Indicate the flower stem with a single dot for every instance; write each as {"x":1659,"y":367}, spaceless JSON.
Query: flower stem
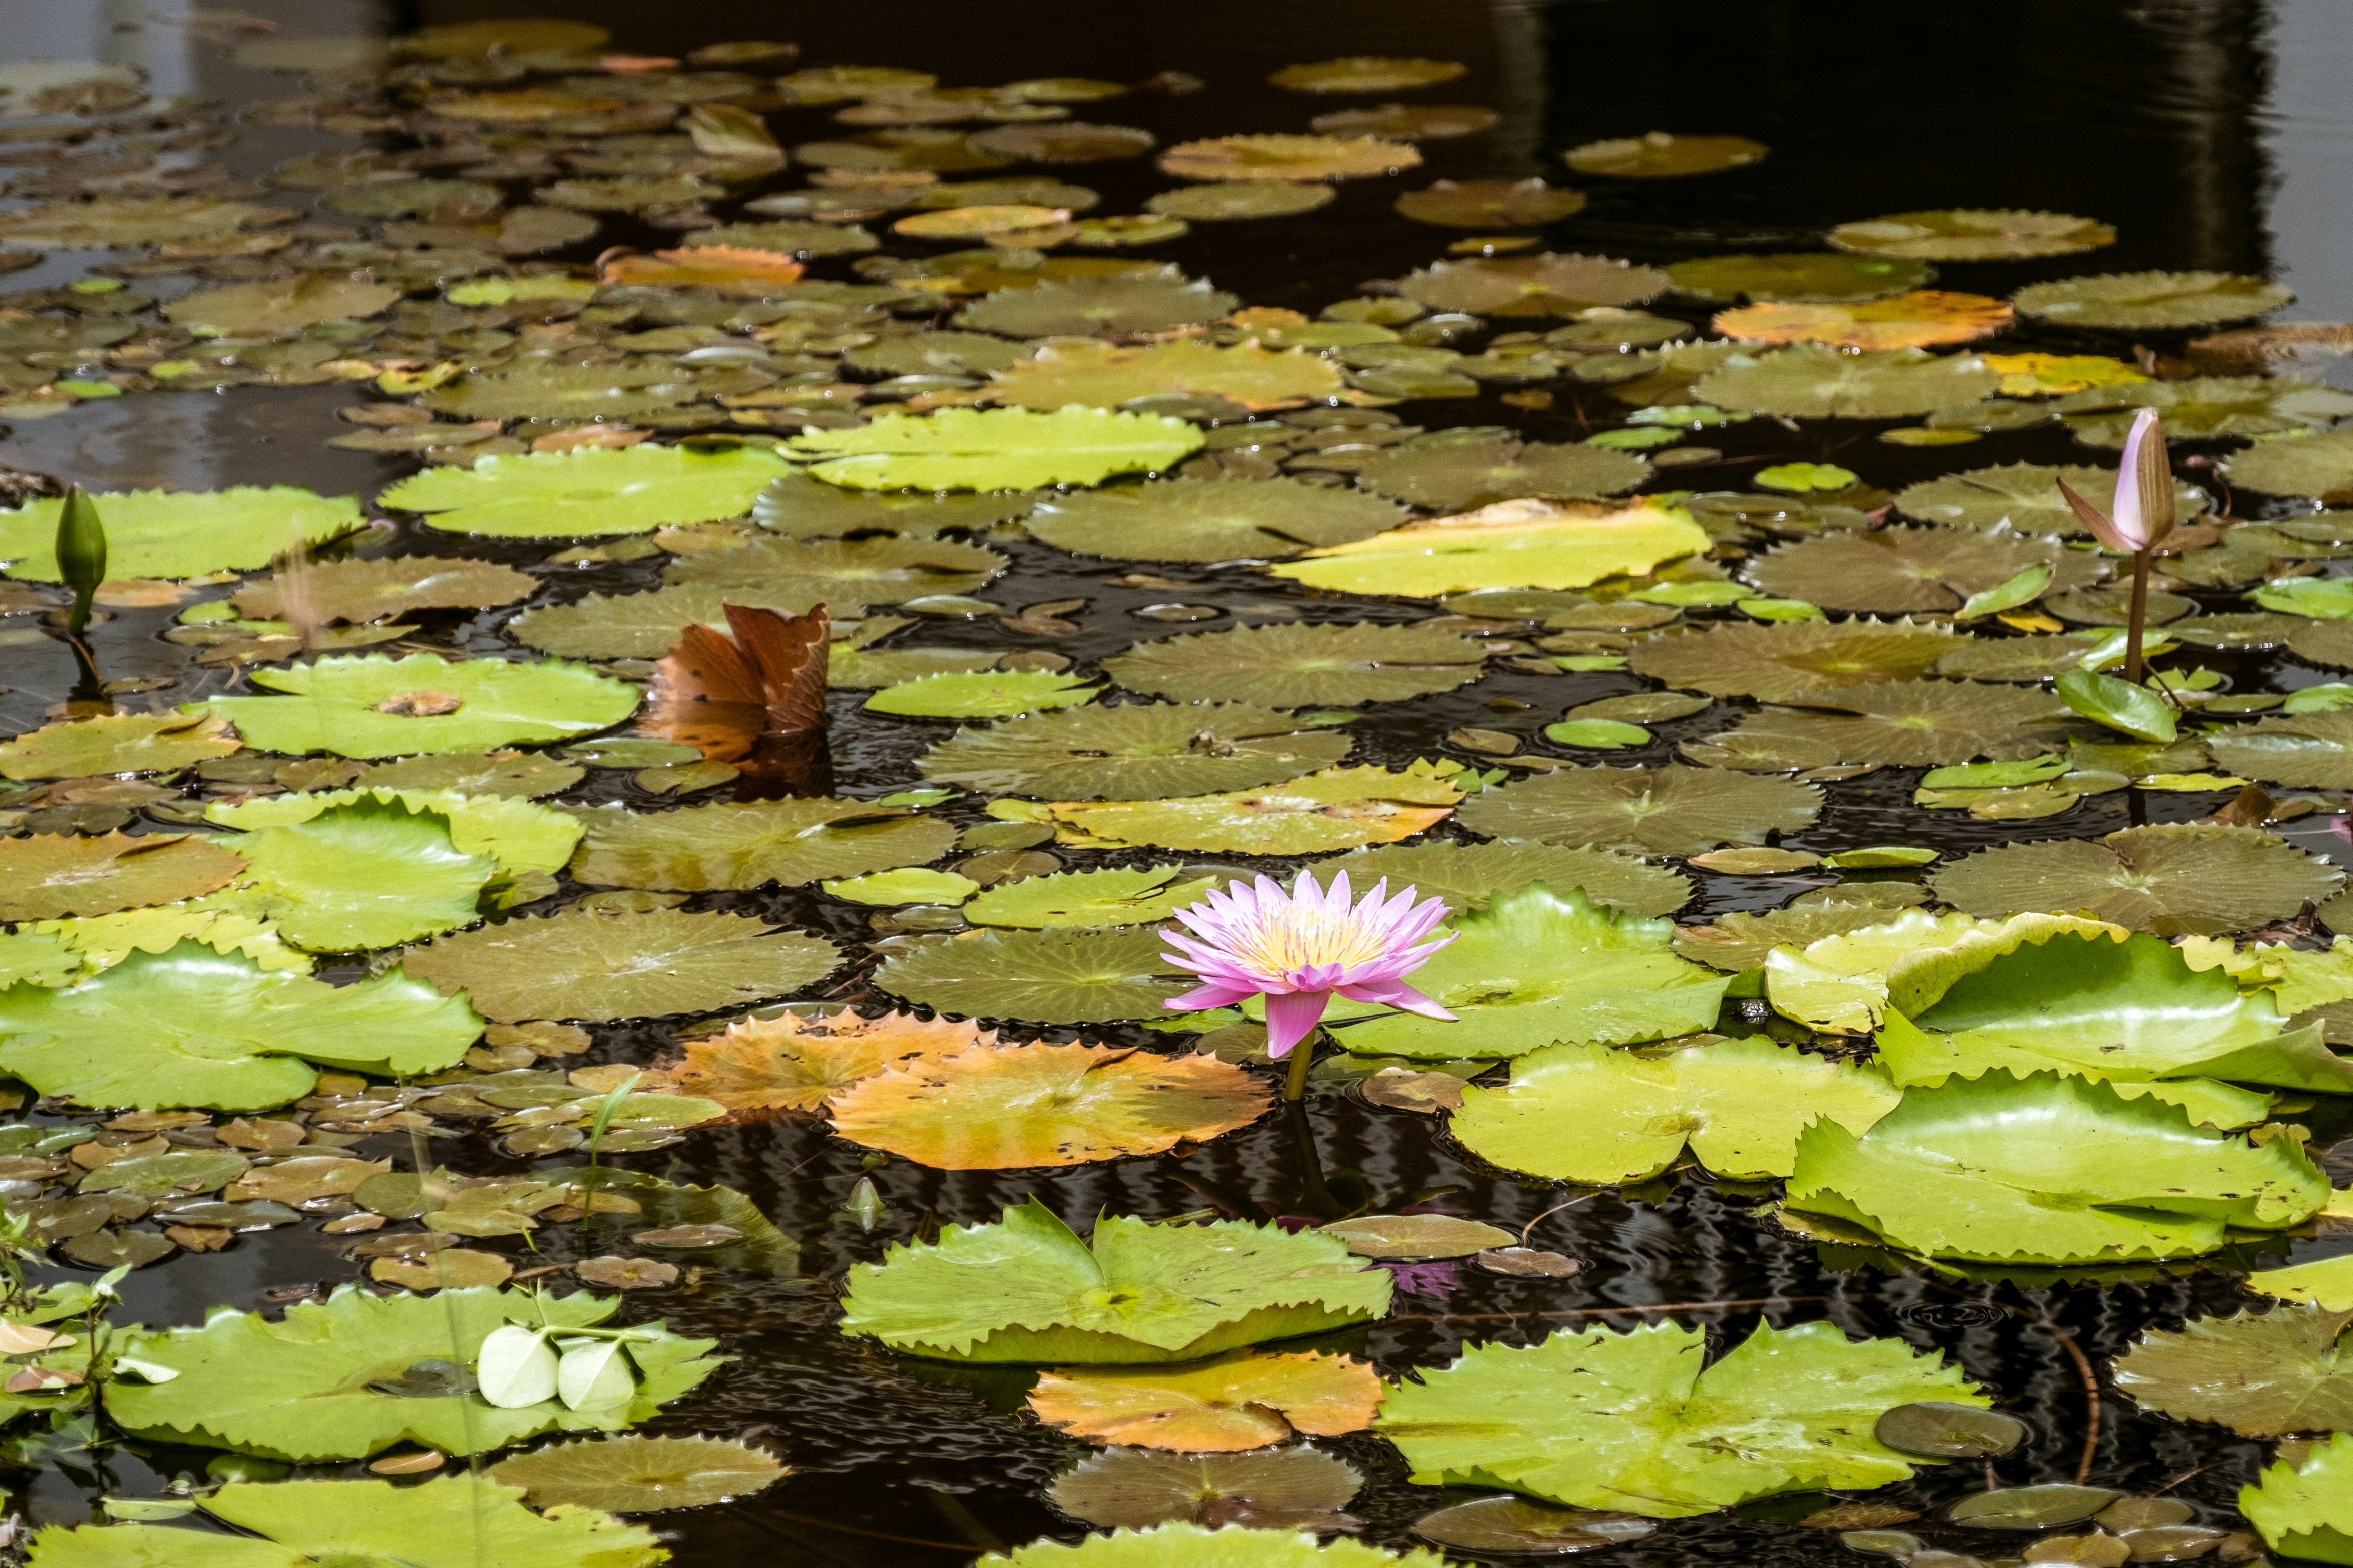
{"x":1302,"y":1056}
{"x":2137,"y":617}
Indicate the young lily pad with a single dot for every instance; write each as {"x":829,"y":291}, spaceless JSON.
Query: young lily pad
{"x":1054,"y":977}
{"x":383,"y":588}
{"x":2319,"y":465}
{"x":2176,"y":879}
{"x":1114,"y":897}
{"x":310,"y":1387}
{"x":1906,"y":723}
{"x":1330,"y":664}
{"x":1781,"y":662}
{"x":1288,"y":158}
{"x":995,"y":449}
{"x":1512,"y":545}
{"x":1587,"y":1113}
{"x":1537,"y":968}
{"x":1290,"y":1489}
{"x":371,"y":706}
{"x":1545,"y":285}
{"x":601,"y":965}
{"x":588,"y":493}
{"x":639,"y":1474}
{"x":1804,"y":277}
{"x":50,"y":876}
{"x":1179,"y":1544}
{"x":1972,"y":234}
{"x":1630,"y":1422}
{"x":1155,"y":300}
{"x":1490,"y":204}
{"x":1911,"y":569}
{"x":1922,"y":318}
{"x":1241,"y":1400}
{"x":1135,"y":752}
{"x":116,"y":743}
{"x":1027,"y":1290}
{"x":516,"y":834}
{"x":2049,"y":1169}
{"x":1816,"y":383}
{"x":1470,"y":874}
{"x":1670,"y":810}
{"x":2301,"y":1509}
{"x":2140,"y":301}
{"x":1102,"y":375}
{"x":2024,"y":497}
{"x":2286,"y":1371}
{"x":752,"y":843}
{"x":762,"y":1067}
{"x":1209,"y":520}
{"x":196,"y":1027}
{"x":374,"y":873}
{"x":1661,"y":155}
{"x":1007,"y":1108}
{"x":1338,"y":808}
{"x":181,"y":533}
{"x":1460,"y":475}
{"x":982,"y":694}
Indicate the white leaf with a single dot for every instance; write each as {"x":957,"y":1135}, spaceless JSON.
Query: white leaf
{"x":516,"y":1367}
{"x":594,"y":1375}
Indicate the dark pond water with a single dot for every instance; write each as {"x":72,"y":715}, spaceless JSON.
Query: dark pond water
{"x":2166,"y":120}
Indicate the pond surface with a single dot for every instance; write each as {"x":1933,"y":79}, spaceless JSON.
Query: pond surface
{"x":2196,"y":134}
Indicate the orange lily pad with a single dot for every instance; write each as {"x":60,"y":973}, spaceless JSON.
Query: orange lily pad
{"x":1922,"y":318}
{"x":762,"y":1069}
{"x":709,"y":264}
{"x":1240,"y":1401}
{"x":1013,"y":1107}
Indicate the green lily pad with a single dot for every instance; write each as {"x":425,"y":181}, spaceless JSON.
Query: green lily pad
{"x":2204,"y":407}
{"x":1670,"y":810}
{"x":1972,"y":234}
{"x":795,"y":238}
{"x":752,"y":843}
{"x":2286,"y":1371}
{"x":1543,"y":285}
{"x":2119,"y":705}
{"x":2023,"y":498}
{"x":1294,"y":1488}
{"x":116,"y":743}
{"x":1232,"y":199}
{"x":540,"y":390}
{"x":2318,"y":465}
{"x":1911,"y":569}
{"x":383,"y":588}
{"x":798,"y":507}
{"x":982,"y":694}
{"x":639,"y":1474}
{"x":1820,"y":384}
{"x":162,"y":1175}
{"x":1338,"y":808}
{"x":1181,"y":1544}
{"x":123,"y":222}
{"x":1512,"y":544}
{"x":308,"y":1388}
{"x":840,"y":572}
{"x":1537,"y":968}
{"x":1117,"y":897}
{"x":2301,"y":1509}
{"x":515,"y":775}
{"x":1135,"y":752}
{"x":279,"y":305}
{"x":1739,"y":941}
{"x":593,"y":493}
{"x":1780,"y":661}
{"x":1102,"y":375}
{"x":995,"y":449}
{"x":597,"y":966}
{"x":181,"y":533}
{"x":643,"y":626}
{"x":1587,"y":1113}
{"x":1324,"y":665}
{"x":450,"y":1522}
{"x":1837,"y":984}
{"x":1027,"y":1290}
{"x":904,"y":887}
{"x":1470,"y":874}
{"x":2049,"y":1169}
{"x":1151,"y":302}
{"x":195,"y":1027}
{"x":2140,"y":301}
{"x":371,"y":706}
{"x":49,"y":876}
{"x":1812,"y":277}
{"x":2303,"y":751}
{"x":374,"y":873}
{"x":1631,"y":1421}
{"x":518,"y":835}
{"x":1906,"y":723}
{"x":1209,"y":520}
{"x":1081,"y":976}
{"x":2173,"y":880}
{"x":1447,"y":473}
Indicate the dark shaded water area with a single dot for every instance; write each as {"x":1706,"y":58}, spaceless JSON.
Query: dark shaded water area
{"x":2150,"y":117}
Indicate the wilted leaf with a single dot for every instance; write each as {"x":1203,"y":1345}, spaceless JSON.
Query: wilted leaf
{"x":598,"y":966}
{"x":740,"y":697}
{"x":760,"y":1068}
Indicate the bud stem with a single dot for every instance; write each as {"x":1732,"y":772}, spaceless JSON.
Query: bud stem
{"x":2138,"y":617}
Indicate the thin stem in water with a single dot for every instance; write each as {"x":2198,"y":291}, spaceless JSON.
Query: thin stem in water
{"x":2138,"y":617}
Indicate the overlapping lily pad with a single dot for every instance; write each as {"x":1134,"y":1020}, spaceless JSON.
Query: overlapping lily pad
{"x":1815,"y":383}
{"x":1330,"y":664}
{"x":2300,"y":1506}
{"x":1135,"y":752}
{"x":518,"y":835}
{"x":1054,"y":977}
{"x":2142,"y":301}
{"x":2304,"y":750}
{"x":181,"y":533}
{"x":598,"y":964}
{"x":760,"y":1068}
{"x":1027,"y":1290}
{"x":1911,"y":569}
{"x":371,"y":706}
{"x":752,"y":844}
{"x":1670,"y":810}
{"x":551,"y":495}
{"x":374,"y":873}
{"x":2170,"y":880}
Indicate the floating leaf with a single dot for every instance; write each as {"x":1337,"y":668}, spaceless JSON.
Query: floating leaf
{"x":752,"y":844}
{"x":1587,"y":1113}
{"x":513,"y":775}
{"x":1039,"y":977}
{"x":1135,"y":752}
{"x":798,"y":507}
{"x":1027,"y":1290}
{"x":2172,"y":881}
{"x":646,"y":626}
{"x":2300,"y":1509}
{"x":278,"y":305}
{"x":1330,"y":664}
{"x":1906,"y":723}
{"x":1290,"y":1489}
{"x":2143,"y":301}
{"x":639,"y":1474}
{"x":2305,"y":751}
{"x":544,"y":390}
{"x":1416,"y":1236}
{"x":1469,"y":875}
{"x":1155,"y":300}
{"x":2269,"y":1375}
{"x":1338,"y":808}
{"x":518,"y":835}
{"x":1816,"y":383}
{"x":1524,"y":543}
{"x":1670,"y":810}
{"x":981,"y":694}
{"x":1911,"y":569}
{"x":1231,"y":199}
{"x":1015,"y":1106}
{"x":1536,"y":968}
{"x":1924,"y":319}
{"x":2204,"y":406}
{"x":1839,"y":983}
{"x":760,"y":1068}
{"x":1546,"y":285}
{"x":1631,"y":1421}
{"x":596,"y":965}
{"x":1101,"y":376}
{"x":1178,"y":1544}
{"x":1287,"y":158}
{"x":123,"y":222}
{"x":180,"y":533}
{"x":116,"y":743}
{"x":2319,"y":465}
{"x":1778,"y":662}
{"x":385,"y":587}
{"x":305,"y":1388}
{"x":1241,"y":1400}
{"x":2024,"y":497}
{"x":1972,"y":234}
{"x":371,"y":706}
{"x":1490,"y":204}
{"x":592,"y":492}
{"x":848,"y":572}
{"x":374,"y":873}
{"x":1109,"y":897}
{"x":1001,"y":448}
{"x":2048,"y":1169}
{"x":1803,"y":276}
{"x":49,"y":876}
{"x":195,"y":1027}
{"x":1460,"y":475}
{"x":1209,"y":520}
{"x":1659,"y":155}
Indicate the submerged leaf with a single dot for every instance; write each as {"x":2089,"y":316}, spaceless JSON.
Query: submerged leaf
{"x":981,"y":694}
{"x":1972,"y":235}
{"x":1180,"y":1544}
{"x":384,"y":587}
{"x":1661,"y":155}
{"x":1153,"y":300}
{"x":1906,"y":723}
{"x":1802,"y":277}
{"x":2319,"y":465}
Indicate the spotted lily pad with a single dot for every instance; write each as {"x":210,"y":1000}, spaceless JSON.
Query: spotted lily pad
{"x":1910,"y":569}
{"x":181,"y":533}
{"x":546,"y":495}
{"x":1330,"y":664}
{"x":1779,"y":661}
{"x":372,"y":706}
{"x":1972,"y":234}
{"x":599,"y":965}
{"x":1135,"y":752}
{"x":2175,"y":879}
{"x":1546,"y":285}
{"x":1457,"y":475}
{"x":50,"y":876}
{"x":1338,"y":808}
{"x":1670,"y":810}
{"x":997,"y":449}
{"x":2141,"y":301}
{"x":1816,"y":383}
{"x":1027,"y":1290}
{"x":752,"y":843}
{"x":1063,"y":977}
{"x":1511,"y":544}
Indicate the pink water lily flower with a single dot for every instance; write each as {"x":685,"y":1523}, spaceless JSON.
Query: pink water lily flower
{"x":1301,"y":948}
